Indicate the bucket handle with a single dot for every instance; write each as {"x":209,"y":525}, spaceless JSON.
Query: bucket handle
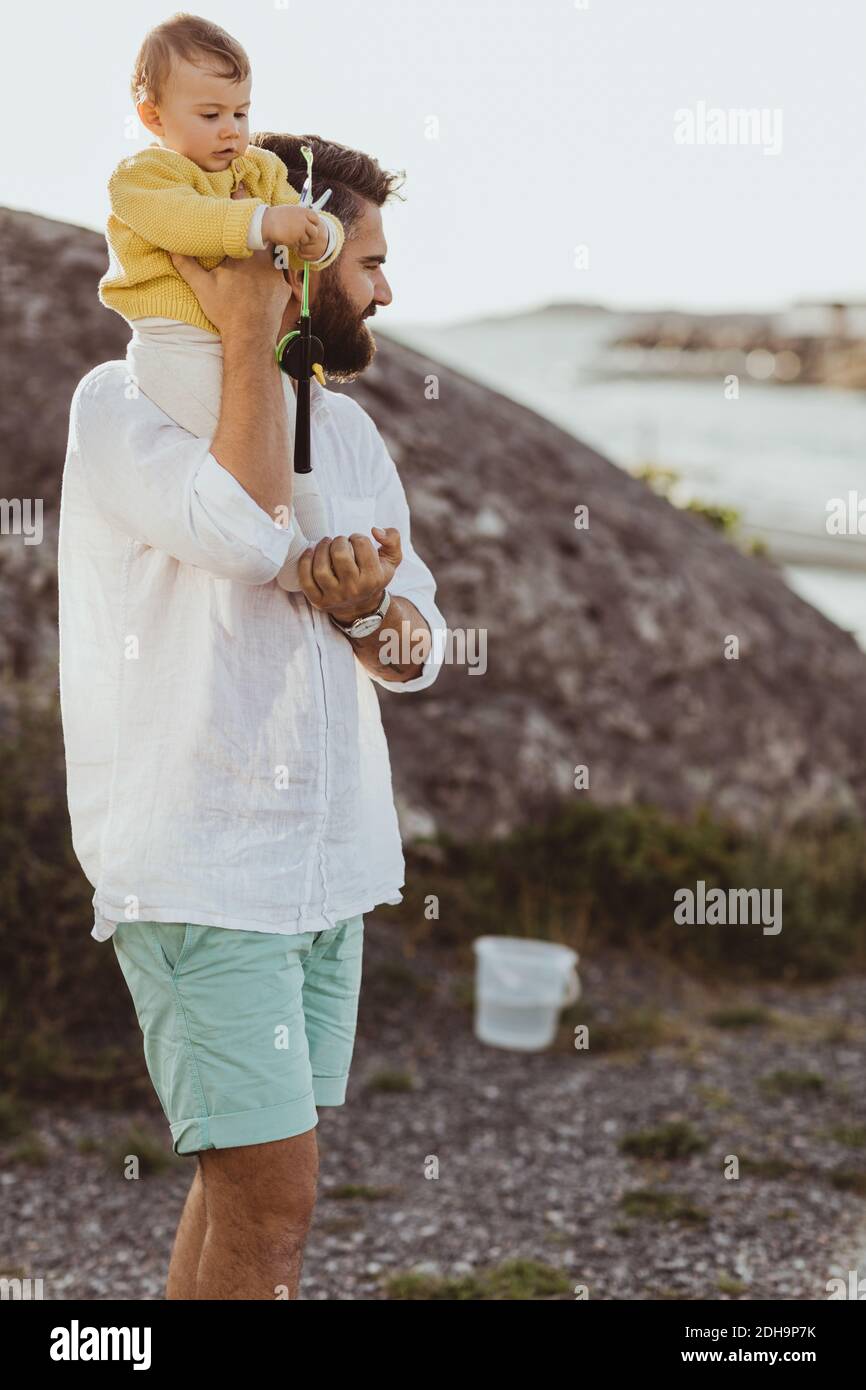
{"x":572,"y":988}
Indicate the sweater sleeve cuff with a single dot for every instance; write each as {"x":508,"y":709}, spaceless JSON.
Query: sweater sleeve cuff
{"x":236,"y":227}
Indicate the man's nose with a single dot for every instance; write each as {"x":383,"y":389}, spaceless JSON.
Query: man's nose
{"x":230,"y":130}
{"x":383,"y":293}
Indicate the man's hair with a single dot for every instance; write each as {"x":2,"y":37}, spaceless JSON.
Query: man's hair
{"x":352,"y":176}
{"x":185,"y":36}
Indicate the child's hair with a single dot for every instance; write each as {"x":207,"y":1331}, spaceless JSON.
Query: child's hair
{"x":185,"y":36}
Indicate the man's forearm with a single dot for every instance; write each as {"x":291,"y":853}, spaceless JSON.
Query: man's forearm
{"x":403,"y":632}
{"x":252,"y":439}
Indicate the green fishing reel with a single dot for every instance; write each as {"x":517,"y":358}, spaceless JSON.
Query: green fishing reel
{"x":300,"y":356}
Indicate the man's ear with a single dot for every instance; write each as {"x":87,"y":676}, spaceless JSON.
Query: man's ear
{"x":148,"y":114}
{"x":295,"y":279}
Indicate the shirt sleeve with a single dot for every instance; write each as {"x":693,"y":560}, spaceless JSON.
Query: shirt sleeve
{"x":152,"y":196}
{"x":413,"y":579}
{"x":328,"y":253}
{"x":255,"y":240}
{"x":162,"y":486}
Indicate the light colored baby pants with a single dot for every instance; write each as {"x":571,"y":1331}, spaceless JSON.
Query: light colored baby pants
{"x":179,"y":368}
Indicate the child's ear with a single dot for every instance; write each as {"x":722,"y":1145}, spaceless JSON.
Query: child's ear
{"x":148,"y":114}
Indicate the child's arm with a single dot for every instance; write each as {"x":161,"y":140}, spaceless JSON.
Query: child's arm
{"x":327,"y":217}
{"x":153,"y":196}
{"x":303,"y":230}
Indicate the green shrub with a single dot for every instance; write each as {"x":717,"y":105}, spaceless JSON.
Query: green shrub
{"x":583,"y":873}
{"x":390,"y":1081}
{"x":576,"y":872}
{"x":66,"y":1019}
{"x":793,"y":1083}
{"x":850,"y":1180}
{"x":676,"y":1139}
{"x":740,"y":1016}
{"x":523,"y":1280}
{"x":648,"y":1204}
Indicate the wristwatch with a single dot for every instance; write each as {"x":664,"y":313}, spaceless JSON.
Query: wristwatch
{"x":368,"y":622}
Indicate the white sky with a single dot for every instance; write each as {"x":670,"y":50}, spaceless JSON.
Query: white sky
{"x":555,"y":129}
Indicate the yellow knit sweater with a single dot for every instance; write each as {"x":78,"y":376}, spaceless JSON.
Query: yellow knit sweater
{"x":161,"y":202}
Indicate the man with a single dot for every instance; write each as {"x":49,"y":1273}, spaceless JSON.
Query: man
{"x":228,"y":776}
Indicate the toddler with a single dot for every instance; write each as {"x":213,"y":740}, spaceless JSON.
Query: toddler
{"x":201,"y":190}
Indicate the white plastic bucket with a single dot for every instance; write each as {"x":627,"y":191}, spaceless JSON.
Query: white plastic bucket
{"x":520,"y":988}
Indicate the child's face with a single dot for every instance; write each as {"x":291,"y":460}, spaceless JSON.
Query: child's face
{"x":201,"y":115}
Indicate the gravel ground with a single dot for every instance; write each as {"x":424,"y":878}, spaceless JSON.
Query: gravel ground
{"x":528,"y":1149}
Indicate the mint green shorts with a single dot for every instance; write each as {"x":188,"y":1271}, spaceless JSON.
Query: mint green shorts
{"x":245,"y":1033}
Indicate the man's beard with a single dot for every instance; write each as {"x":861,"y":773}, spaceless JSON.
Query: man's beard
{"x":349,"y":345}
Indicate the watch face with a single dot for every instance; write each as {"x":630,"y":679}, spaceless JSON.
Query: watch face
{"x":362,"y":627}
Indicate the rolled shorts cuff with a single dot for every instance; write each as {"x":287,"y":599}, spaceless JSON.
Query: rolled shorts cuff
{"x":258,"y":1126}
{"x":330,"y":1090}
{"x":245,"y":1126}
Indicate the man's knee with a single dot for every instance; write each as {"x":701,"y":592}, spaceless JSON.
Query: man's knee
{"x":272,"y":1184}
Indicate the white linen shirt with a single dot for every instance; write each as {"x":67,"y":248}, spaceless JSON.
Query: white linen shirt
{"x":226,"y":761}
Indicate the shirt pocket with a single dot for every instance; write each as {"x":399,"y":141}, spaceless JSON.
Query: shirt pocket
{"x":352,"y":513}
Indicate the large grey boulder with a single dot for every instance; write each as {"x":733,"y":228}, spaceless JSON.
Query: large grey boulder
{"x":605,"y":646}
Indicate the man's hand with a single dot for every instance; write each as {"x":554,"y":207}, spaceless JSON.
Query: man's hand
{"x":239,"y":296}
{"x":346,"y":576}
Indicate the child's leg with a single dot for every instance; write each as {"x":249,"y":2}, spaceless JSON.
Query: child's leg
{"x":179,"y":368}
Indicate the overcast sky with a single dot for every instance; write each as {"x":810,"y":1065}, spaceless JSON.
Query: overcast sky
{"x":555,"y":125}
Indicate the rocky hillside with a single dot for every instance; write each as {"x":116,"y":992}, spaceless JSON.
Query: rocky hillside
{"x":605,"y":646}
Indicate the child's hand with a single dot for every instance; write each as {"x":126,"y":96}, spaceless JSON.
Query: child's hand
{"x":297,"y":227}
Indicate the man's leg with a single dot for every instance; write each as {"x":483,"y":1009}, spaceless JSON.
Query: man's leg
{"x":183,"y":1269}
{"x":260,"y":1200}
{"x":228,"y":1076}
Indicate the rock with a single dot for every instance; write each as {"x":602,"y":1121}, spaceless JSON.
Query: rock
{"x":490,"y":523}
{"x":604,"y":646}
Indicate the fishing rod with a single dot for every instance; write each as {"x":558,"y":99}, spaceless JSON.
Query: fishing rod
{"x":299,"y":353}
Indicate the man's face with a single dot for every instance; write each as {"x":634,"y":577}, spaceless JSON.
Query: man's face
{"x":345,"y":294}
